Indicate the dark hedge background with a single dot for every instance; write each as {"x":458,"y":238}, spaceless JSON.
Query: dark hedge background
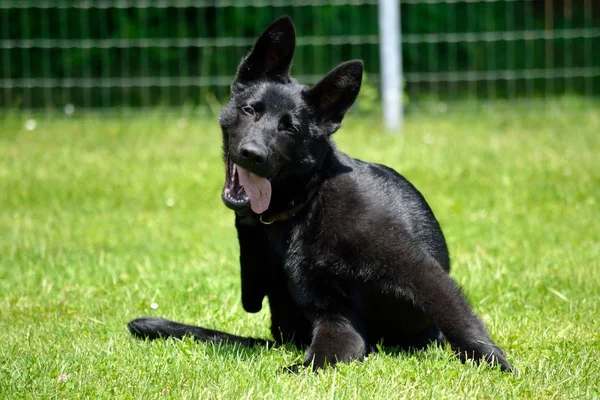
{"x":44,"y":63}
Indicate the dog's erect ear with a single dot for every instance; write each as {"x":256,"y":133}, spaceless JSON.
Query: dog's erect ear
{"x":333,"y":95}
{"x":271,"y":56}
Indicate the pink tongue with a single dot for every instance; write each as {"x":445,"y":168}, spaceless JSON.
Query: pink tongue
{"x":257,"y":188}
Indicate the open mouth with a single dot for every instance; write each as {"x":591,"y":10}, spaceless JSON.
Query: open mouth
{"x":243,"y":188}
{"x":234,"y":196}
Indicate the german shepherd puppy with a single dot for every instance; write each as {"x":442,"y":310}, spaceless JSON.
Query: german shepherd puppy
{"x":348,"y":253}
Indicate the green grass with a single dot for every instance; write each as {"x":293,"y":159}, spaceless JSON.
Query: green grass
{"x":101,"y":217}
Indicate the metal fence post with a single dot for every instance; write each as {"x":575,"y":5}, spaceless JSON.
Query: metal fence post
{"x":391,"y":63}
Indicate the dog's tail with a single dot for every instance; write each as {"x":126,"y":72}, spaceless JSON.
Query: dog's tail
{"x":154,"y":328}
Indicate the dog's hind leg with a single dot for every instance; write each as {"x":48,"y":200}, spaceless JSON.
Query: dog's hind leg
{"x":431,"y":288}
{"x":154,"y":328}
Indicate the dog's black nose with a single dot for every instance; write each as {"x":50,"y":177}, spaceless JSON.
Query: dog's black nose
{"x":253,"y":153}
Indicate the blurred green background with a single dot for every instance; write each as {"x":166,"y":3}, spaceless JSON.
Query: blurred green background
{"x":112,"y":53}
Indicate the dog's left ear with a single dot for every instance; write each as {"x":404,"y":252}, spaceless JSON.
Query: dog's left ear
{"x":333,"y":95}
{"x":271,"y":56}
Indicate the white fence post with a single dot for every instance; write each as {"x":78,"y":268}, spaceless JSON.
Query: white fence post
{"x":391,"y":63}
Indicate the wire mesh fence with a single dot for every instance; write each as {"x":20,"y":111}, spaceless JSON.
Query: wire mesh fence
{"x":123,"y":54}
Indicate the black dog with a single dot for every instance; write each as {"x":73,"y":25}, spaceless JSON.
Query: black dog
{"x":347,"y":252}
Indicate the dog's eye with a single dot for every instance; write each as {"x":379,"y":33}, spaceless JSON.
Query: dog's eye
{"x":248,"y":110}
{"x":292,"y":129}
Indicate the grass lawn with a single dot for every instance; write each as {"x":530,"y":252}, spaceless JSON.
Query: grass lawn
{"x":105,"y":219}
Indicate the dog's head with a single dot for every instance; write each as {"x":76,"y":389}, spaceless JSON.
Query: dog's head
{"x":274,"y":127}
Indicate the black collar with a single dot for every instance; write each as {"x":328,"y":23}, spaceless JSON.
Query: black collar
{"x":294,"y":208}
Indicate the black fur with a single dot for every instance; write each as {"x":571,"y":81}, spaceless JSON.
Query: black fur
{"x":364,"y":261}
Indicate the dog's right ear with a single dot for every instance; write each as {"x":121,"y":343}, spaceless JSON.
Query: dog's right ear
{"x":271,"y":56}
